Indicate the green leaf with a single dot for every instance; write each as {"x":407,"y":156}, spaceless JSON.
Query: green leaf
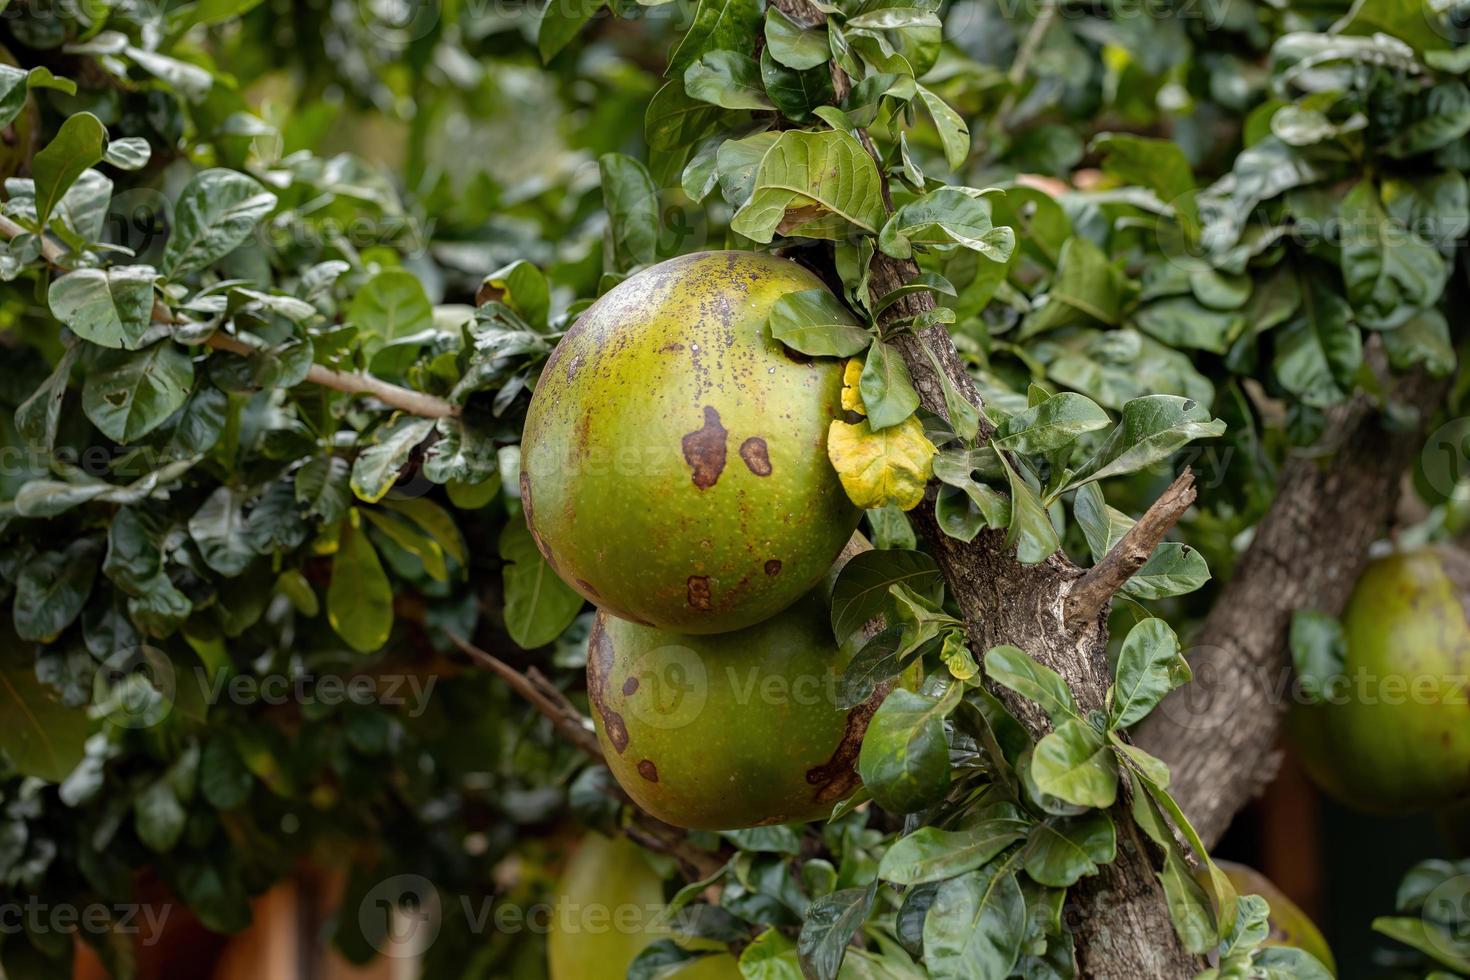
{"x":963,"y":510}
{"x":1087,"y":287}
{"x":1319,"y":351}
{"x":975,"y":926}
{"x":1073,"y":763}
{"x":1389,"y":270}
{"x":1102,"y":525}
{"x":390,"y":305}
{"x":1013,"y":668}
{"x":904,"y":761}
{"x":797,"y":95}
{"x":1189,"y":907}
{"x":128,"y":153}
{"x":943,"y":220}
{"x":323,"y":488}
{"x":815,"y":322}
{"x":112,"y":308}
{"x":1181,"y":322}
{"x":863,"y":588}
{"x":1318,"y":653}
{"x":218,"y":528}
{"x":1060,"y":851}
{"x":538,"y":605}
{"x":1429,"y":938}
{"x":1158,"y":164}
{"x":932,"y":854}
{"x":41,"y":737}
{"x":38,"y":416}
{"x":1153,"y":428}
{"x":523,"y":288}
{"x":771,"y":956}
{"x":829,"y":925}
{"x":1173,"y":569}
{"x":815,"y":185}
{"x":128,"y":394}
{"x":728,"y":25}
{"x":377,"y":467}
{"x":216,"y":212}
{"x":887,"y":390}
{"x":1149,"y":667}
{"x":51,"y":590}
{"x":562,"y":20}
{"x":223,"y":779}
{"x":1031,"y":531}
{"x":1051,"y":425}
{"x":1424,"y":339}
{"x":631,"y":199}
{"x":793,"y":45}
{"x":954,"y":134}
{"x":359,"y":596}
{"x":78,"y":144}
{"x":729,"y":79}
{"x":1433,"y":118}
{"x":436,"y":522}
{"x":159,"y":817}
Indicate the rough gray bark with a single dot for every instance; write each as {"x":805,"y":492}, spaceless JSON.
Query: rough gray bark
{"x":1218,"y":734}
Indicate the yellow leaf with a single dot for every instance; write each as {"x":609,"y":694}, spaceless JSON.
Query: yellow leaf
{"x":879,"y":468}
{"x":852,"y":401}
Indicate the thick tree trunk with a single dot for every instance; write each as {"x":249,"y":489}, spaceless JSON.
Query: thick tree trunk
{"x":1219,"y":733}
{"x":1119,"y":916}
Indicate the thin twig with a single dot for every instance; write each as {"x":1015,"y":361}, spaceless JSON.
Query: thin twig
{"x":1094,"y":589}
{"x":643,"y":828}
{"x":352,"y":382}
{"x":1030,"y":44}
{"x":541,"y":693}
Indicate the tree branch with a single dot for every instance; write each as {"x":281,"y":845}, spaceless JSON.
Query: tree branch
{"x":543,"y":695}
{"x":352,"y":382}
{"x":1095,"y":589}
{"x":1219,"y":733}
{"x":576,"y":728}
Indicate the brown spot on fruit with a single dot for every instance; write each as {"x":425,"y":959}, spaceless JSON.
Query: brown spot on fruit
{"x":672,"y":348}
{"x":836,"y":778}
{"x":698,"y":590}
{"x":773,"y":567}
{"x":753,"y":451}
{"x":588,"y":588}
{"x":704,"y":450}
{"x":630,"y":687}
{"x":599,"y":664}
{"x":648,"y":770}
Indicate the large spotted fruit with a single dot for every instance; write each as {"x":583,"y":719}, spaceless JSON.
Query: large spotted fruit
{"x":732,"y":730}
{"x":674,"y":461}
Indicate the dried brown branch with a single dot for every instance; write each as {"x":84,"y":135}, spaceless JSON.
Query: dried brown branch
{"x":352,"y":382}
{"x":1096,"y":588}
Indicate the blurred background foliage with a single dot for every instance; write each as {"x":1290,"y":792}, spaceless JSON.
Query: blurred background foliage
{"x":239,"y":523}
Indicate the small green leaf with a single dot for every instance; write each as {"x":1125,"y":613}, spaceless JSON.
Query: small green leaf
{"x":904,"y":761}
{"x":1013,"y":668}
{"x":729,"y":79}
{"x":954,"y":135}
{"x":1073,"y":763}
{"x":932,"y":854}
{"x":359,"y":597}
{"x":112,"y":308}
{"x":816,"y":185}
{"x":538,"y":605}
{"x":1060,"y":851}
{"x":1153,"y":428}
{"x":1149,"y":667}
{"x":377,"y":467}
{"x":562,"y":20}
{"x":78,"y":144}
{"x":1051,"y":425}
{"x":214,"y":215}
{"x":128,"y":394}
{"x":390,"y":305}
{"x":793,"y":45}
{"x":975,"y":926}
{"x":815,"y":322}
